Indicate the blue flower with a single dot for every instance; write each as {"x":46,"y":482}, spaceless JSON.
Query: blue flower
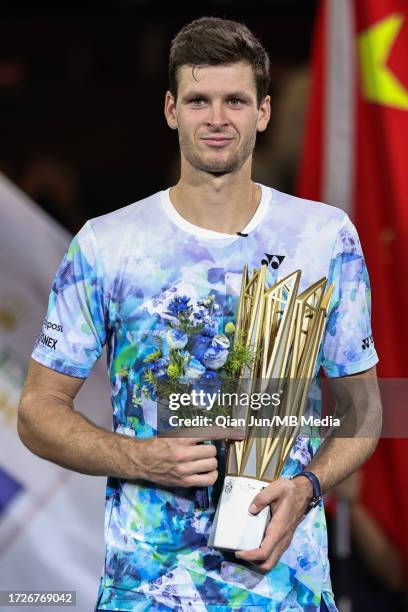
{"x":211,"y":329}
{"x":209,"y":383}
{"x":209,"y":375}
{"x":201,"y":344}
{"x":176,"y":339}
{"x":159,"y":367}
{"x":214,"y":358}
{"x":194,"y":369}
{"x":196,"y":320}
{"x":179,"y":304}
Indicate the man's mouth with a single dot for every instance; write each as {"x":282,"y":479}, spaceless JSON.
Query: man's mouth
{"x":217,"y":141}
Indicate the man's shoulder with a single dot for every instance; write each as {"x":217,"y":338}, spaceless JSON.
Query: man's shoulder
{"x":121,"y":219}
{"x":297,"y":207}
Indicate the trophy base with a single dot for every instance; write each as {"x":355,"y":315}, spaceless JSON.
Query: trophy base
{"x":234,"y":527}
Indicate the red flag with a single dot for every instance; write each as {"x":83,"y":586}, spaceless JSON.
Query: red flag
{"x":355,"y":157}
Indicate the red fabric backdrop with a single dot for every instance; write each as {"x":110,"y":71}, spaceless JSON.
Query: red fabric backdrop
{"x":379,"y":210}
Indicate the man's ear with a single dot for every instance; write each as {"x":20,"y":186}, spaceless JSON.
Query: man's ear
{"x":264,"y":114}
{"x":170,"y":110}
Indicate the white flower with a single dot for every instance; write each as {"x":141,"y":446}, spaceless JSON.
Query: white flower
{"x":221,"y":341}
{"x":176,"y":339}
{"x":194,"y":369}
{"x":214,"y":358}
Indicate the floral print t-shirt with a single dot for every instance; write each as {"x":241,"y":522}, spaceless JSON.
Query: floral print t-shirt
{"x":123,"y":273}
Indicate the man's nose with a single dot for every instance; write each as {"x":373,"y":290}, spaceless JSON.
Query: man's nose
{"x":217,"y":116}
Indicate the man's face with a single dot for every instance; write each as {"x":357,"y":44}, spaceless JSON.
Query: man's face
{"x":216,"y":116}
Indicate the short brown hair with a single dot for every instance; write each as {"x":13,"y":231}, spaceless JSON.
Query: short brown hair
{"x":212,"y":41}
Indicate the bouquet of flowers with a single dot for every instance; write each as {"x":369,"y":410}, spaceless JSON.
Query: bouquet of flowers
{"x":193,"y":351}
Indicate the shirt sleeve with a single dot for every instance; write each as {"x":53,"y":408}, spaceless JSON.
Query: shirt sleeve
{"x":348,"y":344}
{"x":74,"y":330}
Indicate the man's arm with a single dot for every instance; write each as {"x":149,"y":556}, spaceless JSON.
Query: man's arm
{"x":358,"y":401}
{"x":358,"y":404}
{"x":50,"y":427}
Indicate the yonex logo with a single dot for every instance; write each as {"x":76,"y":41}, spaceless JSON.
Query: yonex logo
{"x":273,"y":260}
{"x":48,"y":341}
{"x":366,"y":342}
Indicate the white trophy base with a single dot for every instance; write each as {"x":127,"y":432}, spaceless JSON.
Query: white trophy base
{"x":234,"y":527}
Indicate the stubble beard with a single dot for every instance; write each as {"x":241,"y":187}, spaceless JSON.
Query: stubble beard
{"x":232,"y":163}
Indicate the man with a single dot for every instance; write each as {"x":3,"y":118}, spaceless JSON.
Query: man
{"x":127,"y":271}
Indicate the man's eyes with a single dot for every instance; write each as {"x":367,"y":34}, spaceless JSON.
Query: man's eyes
{"x":203,"y":101}
{"x":197,"y":101}
{"x":236,"y":101}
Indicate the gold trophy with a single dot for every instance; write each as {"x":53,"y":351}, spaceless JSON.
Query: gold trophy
{"x":283,"y":330}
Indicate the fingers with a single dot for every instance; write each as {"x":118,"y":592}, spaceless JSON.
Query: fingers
{"x":197,"y":467}
{"x":270,"y":562}
{"x":182,"y":454}
{"x":276,"y":541}
{"x":268,"y":495}
{"x":185,"y":461}
{"x":273,"y":535}
{"x":200,"y":480}
{"x":280,"y":529}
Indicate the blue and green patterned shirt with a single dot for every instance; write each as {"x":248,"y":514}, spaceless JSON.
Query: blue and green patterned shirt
{"x":114,"y":287}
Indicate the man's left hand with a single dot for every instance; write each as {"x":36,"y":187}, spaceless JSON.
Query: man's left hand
{"x":288,"y":500}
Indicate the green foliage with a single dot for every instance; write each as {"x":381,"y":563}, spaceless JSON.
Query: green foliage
{"x":174,"y":370}
{"x":150,"y":377}
{"x":152,"y":356}
{"x":239,"y":358}
{"x":229,"y":328}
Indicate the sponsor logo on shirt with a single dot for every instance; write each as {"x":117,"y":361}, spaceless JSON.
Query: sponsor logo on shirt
{"x":272,"y":260}
{"x":53,"y":326}
{"x":48,"y":341}
{"x":366,"y":342}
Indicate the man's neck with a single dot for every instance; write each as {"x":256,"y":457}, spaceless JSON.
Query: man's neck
{"x":223,"y":204}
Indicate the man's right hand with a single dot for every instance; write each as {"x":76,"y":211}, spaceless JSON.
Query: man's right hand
{"x":182,"y":462}
{"x":50,"y":427}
